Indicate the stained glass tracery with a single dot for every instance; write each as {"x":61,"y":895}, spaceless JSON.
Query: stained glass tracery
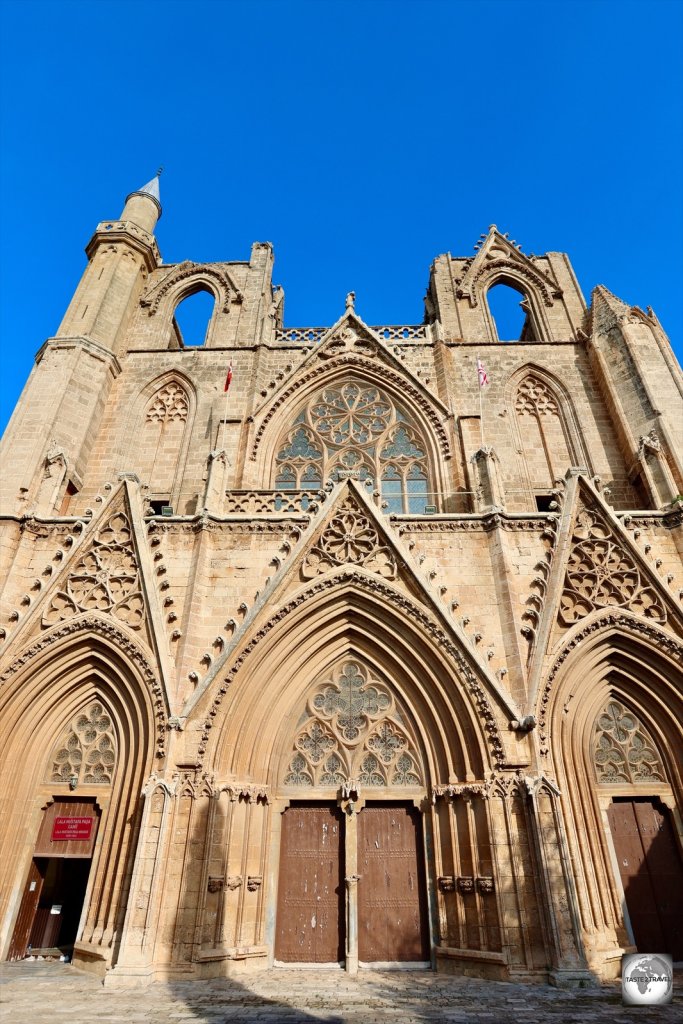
{"x":355,"y":430}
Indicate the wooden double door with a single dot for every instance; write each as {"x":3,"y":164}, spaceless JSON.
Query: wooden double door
{"x":386,"y":895}
{"x":651,"y":873}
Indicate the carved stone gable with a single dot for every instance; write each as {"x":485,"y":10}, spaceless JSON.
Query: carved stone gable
{"x":106,"y":578}
{"x":601,"y":574}
{"x":349,"y":339}
{"x":350,"y":537}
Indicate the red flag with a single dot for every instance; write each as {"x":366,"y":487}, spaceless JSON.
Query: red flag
{"x":228,"y":379}
{"x":482,"y":374}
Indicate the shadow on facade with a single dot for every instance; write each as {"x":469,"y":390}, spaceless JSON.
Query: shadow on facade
{"x":644,"y":839}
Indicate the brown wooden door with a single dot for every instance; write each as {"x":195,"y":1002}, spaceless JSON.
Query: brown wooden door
{"x":27,"y":913}
{"x":392,"y":907}
{"x":310,"y":911}
{"x":651,"y":874}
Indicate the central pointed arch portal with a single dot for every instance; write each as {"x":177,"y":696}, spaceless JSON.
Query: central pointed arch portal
{"x":355,"y":717}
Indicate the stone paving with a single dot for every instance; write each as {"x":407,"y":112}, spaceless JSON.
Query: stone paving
{"x":44,"y":992}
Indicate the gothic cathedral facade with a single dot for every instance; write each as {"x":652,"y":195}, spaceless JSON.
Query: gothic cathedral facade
{"x":375,"y":658}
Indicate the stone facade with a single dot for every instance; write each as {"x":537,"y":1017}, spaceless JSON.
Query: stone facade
{"x":361,"y":580}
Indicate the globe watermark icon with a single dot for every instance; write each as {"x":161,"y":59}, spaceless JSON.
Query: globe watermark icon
{"x":647,"y":979}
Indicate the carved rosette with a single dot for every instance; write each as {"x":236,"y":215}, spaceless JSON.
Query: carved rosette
{"x":353,"y":729}
{"x":623,"y":751}
{"x":105,"y":579}
{"x":601,"y":574}
{"x":349,"y":538}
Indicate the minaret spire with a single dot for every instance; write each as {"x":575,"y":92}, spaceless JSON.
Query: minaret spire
{"x":138,"y":208}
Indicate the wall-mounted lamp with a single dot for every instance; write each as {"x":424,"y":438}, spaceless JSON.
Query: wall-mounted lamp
{"x":73,"y":781}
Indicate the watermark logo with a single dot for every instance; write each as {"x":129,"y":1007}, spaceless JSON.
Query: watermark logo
{"x":647,"y":979}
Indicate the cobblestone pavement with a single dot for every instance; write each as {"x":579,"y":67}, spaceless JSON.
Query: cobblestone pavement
{"x":53,"y":993}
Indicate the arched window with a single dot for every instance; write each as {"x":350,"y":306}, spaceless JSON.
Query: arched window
{"x":543,"y":434}
{"x":86,"y":751}
{"x":192,"y":318}
{"x":160,"y":440}
{"x":623,"y":750}
{"x":510,"y":313}
{"x":354,"y":430}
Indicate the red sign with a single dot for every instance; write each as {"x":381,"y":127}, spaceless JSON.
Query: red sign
{"x":71,"y":828}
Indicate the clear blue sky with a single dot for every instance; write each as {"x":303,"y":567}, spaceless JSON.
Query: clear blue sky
{"x":362,"y":139}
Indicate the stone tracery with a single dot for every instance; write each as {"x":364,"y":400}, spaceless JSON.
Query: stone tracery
{"x":86,"y":751}
{"x":350,"y":537}
{"x":355,"y":430}
{"x":352,"y":729}
{"x":623,"y":751}
{"x":601,"y":574}
{"x":105,"y":578}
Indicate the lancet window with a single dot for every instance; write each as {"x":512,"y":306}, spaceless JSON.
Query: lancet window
{"x":623,"y":750}
{"x":352,"y":729}
{"x":543,"y":433}
{"x":355,"y":431}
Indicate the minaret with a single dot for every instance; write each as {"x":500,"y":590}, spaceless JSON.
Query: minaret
{"x":63,"y":401}
{"x":143,"y":207}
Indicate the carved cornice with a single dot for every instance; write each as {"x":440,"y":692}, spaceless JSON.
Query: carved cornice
{"x":476,"y":523}
{"x":124,"y":644}
{"x":357,"y":362}
{"x":411,"y":613}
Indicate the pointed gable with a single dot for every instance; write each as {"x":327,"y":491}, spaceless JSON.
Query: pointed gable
{"x":499,"y":258}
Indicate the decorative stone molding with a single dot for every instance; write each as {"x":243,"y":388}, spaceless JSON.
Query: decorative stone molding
{"x":212,"y":273}
{"x":667,"y":645}
{"x":465,"y":884}
{"x":125,"y":645}
{"x":349,"y":537}
{"x":359,"y":365}
{"x":254,"y":882}
{"x":409,"y":611}
{"x":446,"y":883}
{"x":534,"y":398}
{"x":86,"y":752}
{"x":601,"y":573}
{"x":105,"y":579}
{"x":485,"y":885}
{"x":233,"y":882}
{"x":355,"y":730}
{"x":169,"y":404}
{"x":623,"y":750}
{"x":215,"y":884}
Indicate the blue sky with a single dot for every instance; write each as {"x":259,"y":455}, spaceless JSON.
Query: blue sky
{"x":362,"y":139}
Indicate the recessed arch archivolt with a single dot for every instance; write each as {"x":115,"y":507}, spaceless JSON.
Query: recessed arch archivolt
{"x":301,"y":388}
{"x":351,"y":614}
{"x":89,"y":636}
{"x":57,"y":679}
{"x":614,"y":656}
{"x":601,"y":641}
{"x":187,"y":278}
